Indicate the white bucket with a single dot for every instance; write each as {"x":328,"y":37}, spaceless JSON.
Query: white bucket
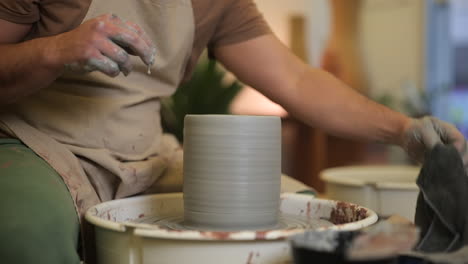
{"x":389,"y":189}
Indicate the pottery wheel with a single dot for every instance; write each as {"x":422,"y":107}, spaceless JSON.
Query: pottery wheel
{"x":161,"y":216}
{"x":151,"y":227}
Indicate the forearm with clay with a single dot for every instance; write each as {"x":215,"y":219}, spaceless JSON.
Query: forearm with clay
{"x":342,"y":111}
{"x":102,"y":44}
{"x":324,"y":101}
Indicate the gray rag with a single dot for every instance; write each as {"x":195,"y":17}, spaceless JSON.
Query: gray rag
{"x":442,"y":211}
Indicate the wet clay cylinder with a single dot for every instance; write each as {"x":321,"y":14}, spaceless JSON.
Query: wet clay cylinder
{"x":232,"y":172}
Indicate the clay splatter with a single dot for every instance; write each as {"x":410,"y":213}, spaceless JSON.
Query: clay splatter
{"x":250,"y":258}
{"x":309,"y":209}
{"x":79,"y":203}
{"x":261,"y":235}
{"x":317,"y":210}
{"x":216,"y":234}
{"x":141,"y":215}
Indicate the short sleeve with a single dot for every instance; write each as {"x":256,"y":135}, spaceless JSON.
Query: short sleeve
{"x":58,"y":16}
{"x":20,"y":11}
{"x":48,"y":17}
{"x":240,"y":21}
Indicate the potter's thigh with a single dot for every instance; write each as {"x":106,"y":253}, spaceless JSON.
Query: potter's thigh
{"x":38,"y":222}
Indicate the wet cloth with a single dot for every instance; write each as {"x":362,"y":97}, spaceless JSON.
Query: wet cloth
{"x":38,"y":220}
{"x":442,"y":210}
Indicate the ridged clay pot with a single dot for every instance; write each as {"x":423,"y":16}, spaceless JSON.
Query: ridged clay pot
{"x":232,"y":168}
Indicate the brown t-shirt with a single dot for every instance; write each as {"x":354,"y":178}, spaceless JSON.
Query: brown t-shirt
{"x":217,"y":22}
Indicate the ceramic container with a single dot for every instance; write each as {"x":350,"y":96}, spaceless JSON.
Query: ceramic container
{"x":388,"y":189}
{"x":232,"y":171}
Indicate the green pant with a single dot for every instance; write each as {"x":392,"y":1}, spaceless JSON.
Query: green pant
{"x":38,"y":222}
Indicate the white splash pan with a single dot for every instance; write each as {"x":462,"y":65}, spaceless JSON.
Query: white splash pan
{"x":121,"y":241}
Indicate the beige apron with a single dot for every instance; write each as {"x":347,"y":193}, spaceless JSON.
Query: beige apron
{"x":102,"y":134}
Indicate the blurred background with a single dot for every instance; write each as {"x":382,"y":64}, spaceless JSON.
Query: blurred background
{"x":411,"y":55}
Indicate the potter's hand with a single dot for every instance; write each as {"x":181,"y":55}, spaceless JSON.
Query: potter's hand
{"x":103,"y":44}
{"x":423,"y":134}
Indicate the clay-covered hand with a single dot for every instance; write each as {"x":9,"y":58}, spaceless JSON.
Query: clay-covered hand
{"x":423,"y":134}
{"x":103,"y":44}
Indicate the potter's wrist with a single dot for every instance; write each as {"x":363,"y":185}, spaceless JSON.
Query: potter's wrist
{"x":404,"y":132}
{"x":50,"y":52}
{"x":400,"y":132}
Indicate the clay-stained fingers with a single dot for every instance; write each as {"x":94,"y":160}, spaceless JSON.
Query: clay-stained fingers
{"x":137,"y":29}
{"x":429,"y":135}
{"x":131,"y":26}
{"x":116,"y":54}
{"x":103,"y":64}
{"x":419,"y":138}
{"x":145,"y":37}
{"x":103,"y":43}
{"x":424,"y":133}
{"x":128,"y":38}
{"x":451,"y":135}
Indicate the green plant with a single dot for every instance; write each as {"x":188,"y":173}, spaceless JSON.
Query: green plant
{"x":207,"y":92}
